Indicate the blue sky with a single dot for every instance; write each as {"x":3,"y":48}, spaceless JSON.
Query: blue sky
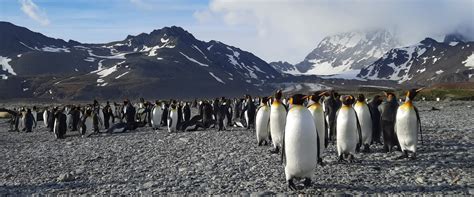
{"x":271,"y":29}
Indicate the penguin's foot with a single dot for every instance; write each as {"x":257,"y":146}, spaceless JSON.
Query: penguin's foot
{"x":291,"y":185}
{"x":307,"y":182}
{"x":403,"y":156}
{"x":413,"y":156}
{"x":350,"y":158}
{"x":366,"y":148}
{"x":340,"y":159}
{"x":320,"y":162}
{"x":274,"y":151}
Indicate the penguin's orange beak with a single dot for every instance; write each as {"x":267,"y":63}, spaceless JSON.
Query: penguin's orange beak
{"x":322,"y":94}
{"x":419,"y":90}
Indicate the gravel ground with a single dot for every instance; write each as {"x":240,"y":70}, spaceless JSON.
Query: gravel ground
{"x":229,"y":162}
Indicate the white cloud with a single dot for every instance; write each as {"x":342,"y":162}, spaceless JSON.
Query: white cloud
{"x":290,"y":29}
{"x":34,"y":12}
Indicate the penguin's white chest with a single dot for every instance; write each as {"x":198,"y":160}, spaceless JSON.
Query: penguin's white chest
{"x":277,"y":123}
{"x":262,"y":123}
{"x":89,"y":124}
{"x":406,"y":127}
{"x":173,"y":119}
{"x":365,"y":121}
{"x":156,"y":120}
{"x":45,"y":118}
{"x":346,"y":133}
{"x":318,"y":118}
{"x":300,"y":143}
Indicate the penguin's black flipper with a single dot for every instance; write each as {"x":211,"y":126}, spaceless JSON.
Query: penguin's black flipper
{"x":419,"y":124}
{"x":326,"y":136}
{"x":359,"y":132}
{"x":283,"y":156}
{"x":317,"y":144}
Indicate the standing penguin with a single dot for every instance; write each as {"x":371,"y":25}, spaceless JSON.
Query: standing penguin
{"x":278,"y":113}
{"x":300,"y":145}
{"x":173,"y":117}
{"x":60,"y":125}
{"x":249,"y":111}
{"x":262,"y":122}
{"x":187,"y":112}
{"x":164,"y":116}
{"x":34,"y":112}
{"x":157,"y":112}
{"x":45,"y":117}
{"x":86,"y":122}
{"x":319,"y":121}
{"x":408,"y":124}
{"x":30,"y":121}
{"x":389,"y":110}
{"x":365,"y":121}
{"x":348,"y":132}
{"x":374,"y":111}
{"x":331,"y":104}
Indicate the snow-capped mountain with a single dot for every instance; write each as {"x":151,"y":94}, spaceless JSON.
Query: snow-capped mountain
{"x":284,"y":67}
{"x":345,"y":52}
{"x":169,"y":62}
{"x":425,"y":63}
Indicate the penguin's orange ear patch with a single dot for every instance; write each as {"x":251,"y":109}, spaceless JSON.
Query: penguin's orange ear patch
{"x":290,"y":101}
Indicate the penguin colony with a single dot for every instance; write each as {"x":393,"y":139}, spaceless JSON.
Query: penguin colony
{"x":299,"y":129}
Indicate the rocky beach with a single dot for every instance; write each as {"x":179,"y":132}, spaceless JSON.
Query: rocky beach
{"x":145,"y":161}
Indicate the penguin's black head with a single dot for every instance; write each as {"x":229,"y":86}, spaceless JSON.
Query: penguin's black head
{"x":317,"y":96}
{"x":390,"y":96}
{"x":361,"y":98}
{"x":297,"y":99}
{"x":278,"y":95}
{"x":347,"y":100}
{"x":264,"y":100}
{"x":412,"y":93}
{"x":377,"y":100}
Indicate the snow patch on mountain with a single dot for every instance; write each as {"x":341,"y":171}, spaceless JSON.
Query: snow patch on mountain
{"x":4,"y":62}
{"x":193,"y":60}
{"x":113,"y":56}
{"x":469,"y":62}
{"x":217,"y":78}
{"x":54,"y":49}
{"x":121,"y":75}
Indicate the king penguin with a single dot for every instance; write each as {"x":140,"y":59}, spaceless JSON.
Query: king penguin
{"x":156,"y":115}
{"x":87,"y":122}
{"x":408,"y":124}
{"x":173,"y":117}
{"x":300,"y":144}
{"x":316,"y":110}
{"x":365,"y":120}
{"x":388,"y":117}
{"x":45,"y":117}
{"x":262,"y":122}
{"x":278,"y":113}
{"x":348,"y":133}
